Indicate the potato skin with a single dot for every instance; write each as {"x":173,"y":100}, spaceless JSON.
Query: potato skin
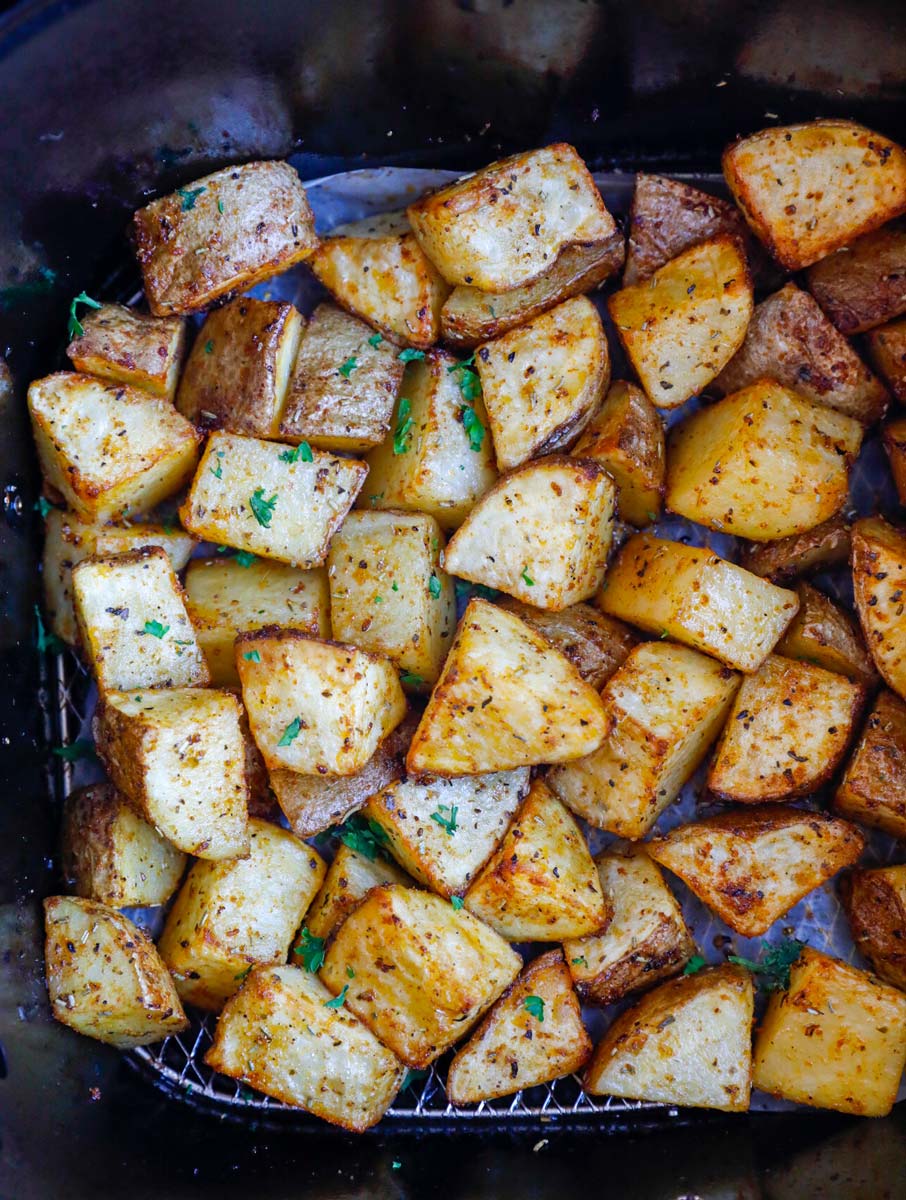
{"x":894,"y":434}
{"x":875,"y":905}
{"x":126,"y":346}
{"x":861,"y":286}
{"x":823,"y":634}
{"x":873,"y":788}
{"x":595,"y":644}
{"x":879,"y":582}
{"x":887,"y":353}
{"x":785,"y":560}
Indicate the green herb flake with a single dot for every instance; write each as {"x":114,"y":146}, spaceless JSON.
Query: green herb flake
{"x":457,"y":902}
{"x":75,"y":325}
{"x":301,"y":453}
{"x":413,"y":1075}
{"x":694,"y":965}
{"x":350,"y":365}
{"x":466,"y":378}
{"x":378,"y":599}
{"x":665,"y":633}
{"x":262,"y":509}
{"x":526,"y":578}
{"x":434,"y":586}
{"x":534,"y":1006}
{"x":243,"y":974}
{"x":394,"y":587}
{"x":465,"y":591}
{"x":252,"y":656}
{"x":77,"y":750}
{"x":45,"y":641}
{"x":350,"y":974}
{"x":217,"y":469}
{"x":408,"y":356}
{"x":412,"y":680}
{"x":364,"y":836}
{"x":156,"y":629}
{"x":774,"y":968}
{"x":580,"y":961}
{"x":471,"y":422}
{"x":375,"y":340}
{"x":338,"y":1001}
{"x":220,"y":207}
{"x":244,"y":558}
{"x":395,"y":1165}
{"x":291,"y":732}
{"x":209,"y":346}
{"x":448,"y":822}
{"x":311,"y":950}
{"x":43,"y":506}
{"x":189,"y":196}
{"x":375,"y":497}
{"x":652,"y":516}
{"x":403,"y":434}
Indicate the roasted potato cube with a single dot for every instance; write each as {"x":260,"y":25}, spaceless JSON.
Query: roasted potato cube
{"x":875,"y":904}
{"x":178,"y":756}
{"x":133,"y":623}
{"x":895,"y":445}
{"x":791,"y":341}
{"x":688,"y":1042}
{"x":887,"y":352}
{"x":229,"y":915}
{"x":596,"y":645}
{"x":809,"y":189}
{"x":229,"y":596}
{"x":126,"y":346}
{"x":543,"y":382}
{"x":350,"y":877}
{"x":318,"y":708}
{"x":109,"y":449}
{"x":507,"y":224}
{"x":261,"y":800}
{"x":689,"y":593}
{"x":533,"y":1034}
{"x":105,"y":978}
{"x":819,"y":549}
{"x":879,"y":582}
{"x":682,"y":326}
{"x":835,"y":1039}
{"x":873,"y":788}
{"x":823,"y":634}
{"x":344,"y":384}
{"x":541,"y":534}
{"x":664,"y":708}
{"x":764,"y":463}
{"x":861,"y":286}
{"x":506,"y":699}
{"x":418,"y":972}
{"x":647,"y":938}
{"x":221,"y":234}
{"x":283,"y":1036}
{"x":264,"y":498}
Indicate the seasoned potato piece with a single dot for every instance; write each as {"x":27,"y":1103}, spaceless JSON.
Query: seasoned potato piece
{"x":534,"y":1033}
{"x":818,"y":549}
{"x":262,"y":497}
{"x":544,"y":381}
{"x":861,"y":286}
{"x":109,"y":449}
{"x":823,"y":634}
{"x":688,"y":1042}
{"x":787,"y":732}
{"x":873,"y":788}
{"x":879,"y":582}
{"x":887,"y":351}
{"x":133,"y":623}
{"x":506,"y":699}
{"x":283,"y":1036}
{"x":764,"y":463}
{"x":875,"y":904}
{"x":105,"y":978}
{"x":542,"y":533}
{"x":126,"y":346}
{"x":791,"y":341}
{"x":750,"y":867}
{"x":416,"y":971}
{"x":221,"y":234}
{"x":664,"y":708}
{"x":319,"y":708}
{"x":178,"y":756}
{"x":895,"y":445}
{"x":596,"y":645}
{"x":627,"y":438}
{"x":229,"y":915}
{"x":689,"y":593}
{"x":507,"y":224}
{"x":540,"y":884}
{"x":647,"y":938}
{"x":682,"y":326}
{"x":835,"y":1039}
{"x":350,"y":877}
{"x":238,"y":372}
{"x":809,"y":189}
{"x":442,"y":831}
{"x":344,"y":384}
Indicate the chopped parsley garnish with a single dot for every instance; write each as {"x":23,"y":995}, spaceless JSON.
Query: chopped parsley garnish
{"x":413,"y":1075}
{"x":457,"y":902}
{"x":45,"y":641}
{"x":447,"y":823}
{"x":404,"y":423}
{"x":465,"y":590}
{"x":694,"y":965}
{"x":774,"y":968}
{"x":466,"y":378}
{"x":395,"y":1165}
{"x":263,"y":509}
{"x":217,"y":469}
{"x":209,"y":346}
{"x":75,"y":325}
{"x":43,"y":506}
{"x":291,"y":732}
{"x":220,"y":207}
{"x":364,"y":836}
{"x":350,"y":365}
{"x":534,"y":1006}
{"x":526,"y":578}
{"x":350,"y":974}
{"x":411,"y":679}
{"x":243,"y":974}
{"x":580,"y":961}
{"x":302,"y":453}
{"x":652,"y":516}
{"x":252,"y":656}
{"x":665,"y":633}
{"x":375,"y":340}
{"x":394,"y":587}
{"x":189,"y":196}
{"x":434,"y":586}
{"x":407,"y":356}
{"x":311,"y":950}
{"x":244,"y":558}
{"x":471,"y":422}
{"x":338,"y":1001}
{"x":156,"y":629}
{"x":79,"y":749}
{"x":378,"y":599}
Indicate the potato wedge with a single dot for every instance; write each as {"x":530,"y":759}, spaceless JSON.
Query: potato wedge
{"x":873,"y":788}
{"x":879,"y":582}
{"x":126,"y":346}
{"x":105,"y":978}
{"x":862,"y":285}
{"x":688,"y":1042}
{"x":221,"y":234}
{"x":506,"y":699}
{"x":835,"y":1039}
{"x":682,"y":326}
{"x":823,"y":634}
{"x":819,"y":549}
{"x":424,"y":973}
{"x":894,"y":434}
{"x":541,"y":534}
{"x":886,"y":347}
{"x":596,"y":645}
{"x":664,"y":708}
{"x":875,"y":905}
{"x":282,"y":1036}
{"x":349,"y":879}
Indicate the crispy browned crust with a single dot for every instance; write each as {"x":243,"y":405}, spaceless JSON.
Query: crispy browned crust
{"x":658,"y":957}
{"x":876,"y":910}
{"x":824,"y":633}
{"x":887,"y":352}
{"x":126,"y":346}
{"x":895,"y":444}
{"x":789,"y":558}
{"x":873,"y":789}
{"x":864,"y":284}
{"x":596,"y":645}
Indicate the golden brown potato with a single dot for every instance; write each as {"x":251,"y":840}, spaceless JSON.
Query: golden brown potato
{"x":688,"y":1042}
{"x":875,"y":904}
{"x":349,"y":879}
{"x":809,"y":189}
{"x":126,"y":346}
{"x":105,"y":978}
{"x":823,"y":634}
{"x":879,"y":583}
{"x":109,"y":449}
{"x":221,"y":234}
{"x":895,"y":445}
{"x":861,"y":286}
{"x":596,"y":645}
{"x":818,"y":549}
{"x":887,"y":352}
{"x":682,"y":326}
{"x":835,"y":1039}
{"x":873,"y":788}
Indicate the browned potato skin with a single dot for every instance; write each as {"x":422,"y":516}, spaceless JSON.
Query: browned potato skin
{"x":887,"y":351}
{"x":873,"y":788}
{"x":784,"y":560}
{"x":875,"y":904}
{"x":823,"y":633}
{"x":895,"y":445}
{"x":596,"y":645}
{"x":862,"y":285}
{"x":126,"y":346}
{"x":879,"y":584}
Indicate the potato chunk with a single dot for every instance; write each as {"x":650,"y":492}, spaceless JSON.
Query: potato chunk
{"x":133,"y":622}
{"x":105,"y":978}
{"x":596,"y":645}
{"x":126,"y":346}
{"x":505,"y":225}
{"x":861,"y":286}
{"x":887,"y":352}
{"x":221,"y":234}
{"x":819,"y":549}
{"x":895,"y":444}
{"x":282,"y":1036}
{"x":534,"y":1033}
{"x":688,"y":1042}
{"x":109,"y":449}
{"x":647,"y":938}
{"x":544,"y":381}
{"x":270,"y":500}
{"x":764,"y":463}
{"x":879,"y":583}
{"x":542,"y":534}
{"x":875,"y":904}
{"x":823,"y":634}
{"x":689,"y":593}
{"x":835,"y":1039}
{"x":664,"y":708}
{"x":230,"y":915}
{"x":682,"y":326}
{"x":506,"y":699}
{"x":873,"y":788}
{"x":350,"y":877}
{"x":809,"y":189}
